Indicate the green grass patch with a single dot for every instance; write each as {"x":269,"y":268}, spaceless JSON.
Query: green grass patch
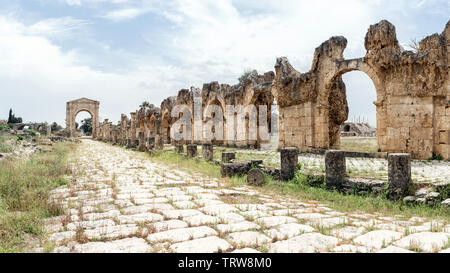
{"x":24,"y":195}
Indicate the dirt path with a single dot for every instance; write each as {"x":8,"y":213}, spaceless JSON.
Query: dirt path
{"x":122,"y":202}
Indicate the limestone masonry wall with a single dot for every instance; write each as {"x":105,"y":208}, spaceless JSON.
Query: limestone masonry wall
{"x":413,"y":100}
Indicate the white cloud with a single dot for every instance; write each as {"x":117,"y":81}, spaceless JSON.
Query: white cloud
{"x":124,"y":14}
{"x":61,"y":28}
{"x":37,"y":78}
{"x":202,"y":41}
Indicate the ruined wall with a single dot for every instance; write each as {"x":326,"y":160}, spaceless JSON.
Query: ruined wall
{"x":412,"y":94}
{"x":413,"y":98}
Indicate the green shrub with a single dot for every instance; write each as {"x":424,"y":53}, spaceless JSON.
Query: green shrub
{"x":31,"y":132}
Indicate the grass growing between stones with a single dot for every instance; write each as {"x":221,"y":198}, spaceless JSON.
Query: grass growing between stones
{"x":188,"y":164}
{"x":310,"y":187}
{"x":304,"y":187}
{"x":24,"y":194}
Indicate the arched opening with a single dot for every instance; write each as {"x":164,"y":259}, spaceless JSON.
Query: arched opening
{"x":214,"y":111}
{"x":353,"y":113}
{"x":165,"y":128}
{"x":263,"y":103}
{"x":83,"y":123}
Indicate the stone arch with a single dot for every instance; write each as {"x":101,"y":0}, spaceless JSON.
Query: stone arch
{"x":342,"y":67}
{"x":76,"y":106}
{"x":219,"y":102}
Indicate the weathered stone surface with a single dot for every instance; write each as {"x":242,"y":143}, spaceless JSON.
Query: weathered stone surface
{"x":127,"y":245}
{"x":255,"y":177}
{"x":191,"y":150}
{"x":424,"y":241}
{"x":182,"y":234}
{"x":399,"y":174}
{"x":207,"y":151}
{"x":289,"y":161}
{"x":286,"y":231}
{"x":248,"y":238}
{"x":378,"y":238}
{"x":234,"y":227}
{"x":348,"y":232}
{"x":204,"y":245}
{"x":228,"y":156}
{"x":234,"y":169}
{"x":350,"y":248}
{"x":334,"y":168}
{"x":306,"y":243}
{"x":141,"y":217}
{"x":273,"y":221}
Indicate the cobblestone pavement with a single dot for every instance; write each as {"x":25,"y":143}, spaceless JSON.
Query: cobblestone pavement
{"x":122,"y":202}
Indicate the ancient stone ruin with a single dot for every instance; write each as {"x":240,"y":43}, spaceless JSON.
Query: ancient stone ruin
{"x":81,"y":105}
{"x":357,"y":129}
{"x":413,"y":101}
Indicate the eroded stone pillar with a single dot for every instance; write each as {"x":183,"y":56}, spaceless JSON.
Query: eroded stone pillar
{"x":399,"y":174}
{"x":207,"y":151}
{"x":334,"y":168}
{"x":179,"y":148}
{"x":141,"y":140}
{"x":228,"y":156}
{"x":191,"y":150}
{"x":289,"y":161}
{"x":159,"y":142}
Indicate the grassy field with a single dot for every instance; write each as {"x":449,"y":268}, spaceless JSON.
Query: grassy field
{"x":24,"y":192}
{"x":306,"y":187}
{"x":5,"y":146}
{"x":359,"y":144}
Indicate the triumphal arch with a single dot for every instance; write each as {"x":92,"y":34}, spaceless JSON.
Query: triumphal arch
{"x":81,"y":105}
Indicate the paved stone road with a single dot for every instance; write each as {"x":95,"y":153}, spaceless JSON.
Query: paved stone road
{"x":122,"y":202}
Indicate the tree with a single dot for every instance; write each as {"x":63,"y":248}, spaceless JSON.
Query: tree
{"x":146,"y":104}
{"x":55,"y":127}
{"x":86,"y":126}
{"x":244,"y":75}
{"x":12,"y":118}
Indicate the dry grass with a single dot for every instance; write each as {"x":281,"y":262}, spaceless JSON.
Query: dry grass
{"x":359,"y":144}
{"x":24,"y":194}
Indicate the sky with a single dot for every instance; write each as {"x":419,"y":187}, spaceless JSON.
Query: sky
{"x":123,"y":52}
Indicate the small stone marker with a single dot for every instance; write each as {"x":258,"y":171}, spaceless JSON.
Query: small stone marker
{"x":255,"y":177}
{"x":207,"y":151}
{"x":191,"y":150}
{"x":334,"y":168}
{"x":179,"y":148}
{"x":399,"y":173}
{"x":228,"y":156}
{"x":289,"y":161}
{"x":151,"y":143}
